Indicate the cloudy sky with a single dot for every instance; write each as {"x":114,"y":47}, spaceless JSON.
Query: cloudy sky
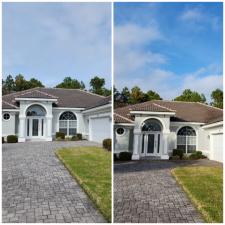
{"x":167,"y":47}
{"x":52,"y":40}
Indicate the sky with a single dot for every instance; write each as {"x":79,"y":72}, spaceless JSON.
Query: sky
{"x":168,"y":47}
{"x":50,"y":41}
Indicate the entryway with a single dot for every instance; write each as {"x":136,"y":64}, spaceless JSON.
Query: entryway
{"x":35,"y":127}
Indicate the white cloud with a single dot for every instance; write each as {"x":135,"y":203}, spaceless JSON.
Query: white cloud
{"x":193,"y":14}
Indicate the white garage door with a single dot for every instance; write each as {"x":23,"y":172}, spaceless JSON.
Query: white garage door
{"x":217,"y":147}
{"x":100,"y":129}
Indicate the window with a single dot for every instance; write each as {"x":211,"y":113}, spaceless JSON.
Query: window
{"x":68,"y":123}
{"x":151,"y":125}
{"x":120,"y":131}
{"x":186,"y":139}
{"x":6,"y":116}
{"x":36,"y":110}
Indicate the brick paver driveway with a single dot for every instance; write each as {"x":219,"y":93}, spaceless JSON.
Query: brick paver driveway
{"x":37,"y":187}
{"x":146,"y":192}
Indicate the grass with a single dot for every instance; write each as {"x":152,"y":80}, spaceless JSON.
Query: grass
{"x":91,"y":167}
{"x":204,"y":186}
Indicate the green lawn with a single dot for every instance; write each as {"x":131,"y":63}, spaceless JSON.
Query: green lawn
{"x":204,"y":186}
{"x":91,"y":167}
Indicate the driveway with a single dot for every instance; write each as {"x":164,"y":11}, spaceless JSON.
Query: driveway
{"x":146,"y":192}
{"x":37,"y":187}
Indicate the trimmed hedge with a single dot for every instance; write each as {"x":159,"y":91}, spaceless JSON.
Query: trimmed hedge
{"x":79,"y":136}
{"x":115,"y":157}
{"x":3,"y":140}
{"x":12,"y":139}
{"x":107,"y":144}
{"x":125,"y":156}
{"x":197,"y":155}
{"x":75,"y":138}
{"x":59,"y":135}
{"x":178,"y":152}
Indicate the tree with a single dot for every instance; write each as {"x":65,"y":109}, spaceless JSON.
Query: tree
{"x":191,"y":96}
{"x":125,"y":94}
{"x":97,"y":85}
{"x":70,"y":83}
{"x":136,"y":95}
{"x":106,"y":92}
{"x":151,"y":95}
{"x":217,"y":97}
{"x":8,"y":85}
{"x":32,"y":83}
{"x":20,"y":83}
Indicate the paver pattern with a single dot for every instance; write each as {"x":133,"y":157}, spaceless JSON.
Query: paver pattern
{"x":146,"y":192}
{"x":38,"y":188}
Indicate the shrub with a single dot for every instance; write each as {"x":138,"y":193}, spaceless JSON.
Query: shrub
{"x":3,"y":140}
{"x":58,"y":139}
{"x":12,"y":139}
{"x":75,"y":138}
{"x":59,"y":135}
{"x":107,"y":143}
{"x":175,"y":157}
{"x":125,"y":156}
{"x":178,"y":152}
{"x":68,"y":139}
{"x":197,"y":155}
{"x":115,"y":157}
{"x":79,"y":136}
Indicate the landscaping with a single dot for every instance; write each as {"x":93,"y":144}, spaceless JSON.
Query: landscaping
{"x":91,"y":167}
{"x":204,"y":186}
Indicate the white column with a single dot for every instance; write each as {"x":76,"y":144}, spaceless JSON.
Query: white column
{"x":136,"y":151}
{"x":48,"y":135}
{"x":22,"y":129}
{"x":165,"y":154}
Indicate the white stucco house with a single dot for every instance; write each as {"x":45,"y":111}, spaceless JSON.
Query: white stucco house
{"x":155,"y":128}
{"x":38,"y":113}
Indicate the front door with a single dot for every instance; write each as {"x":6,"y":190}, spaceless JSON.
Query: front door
{"x":150,"y":144}
{"x":35,"y":127}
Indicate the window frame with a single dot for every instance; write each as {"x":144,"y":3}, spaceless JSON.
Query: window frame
{"x":68,"y":122}
{"x":5,"y":114}
{"x":122,"y":133}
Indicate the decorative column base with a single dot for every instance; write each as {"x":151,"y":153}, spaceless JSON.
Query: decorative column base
{"x":135,"y":157}
{"x":164,"y":157}
{"x":21,"y":139}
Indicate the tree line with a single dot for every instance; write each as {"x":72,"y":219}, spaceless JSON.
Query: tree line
{"x":136,"y":95}
{"x":19,"y":83}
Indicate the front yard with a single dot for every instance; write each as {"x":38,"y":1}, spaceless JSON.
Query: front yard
{"x":204,"y":186}
{"x":91,"y":167}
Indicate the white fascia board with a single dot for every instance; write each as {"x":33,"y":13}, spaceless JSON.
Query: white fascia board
{"x":97,"y":108}
{"x":124,"y":124}
{"x":191,"y":123}
{"x":152,"y":113}
{"x":67,"y":108}
{"x":220,"y":123}
{"x":37,"y":99}
{"x":10,"y":110}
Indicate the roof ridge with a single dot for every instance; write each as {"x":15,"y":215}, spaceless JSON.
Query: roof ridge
{"x":10,"y":104}
{"x":123,"y":117}
{"x":50,"y":95}
{"x":210,"y":106}
{"x":16,"y":93}
{"x":164,"y":107}
{"x":174,"y":101}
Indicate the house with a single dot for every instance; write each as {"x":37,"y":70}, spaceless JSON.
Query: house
{"x":38,"y":113}
{"x":155,"y":128}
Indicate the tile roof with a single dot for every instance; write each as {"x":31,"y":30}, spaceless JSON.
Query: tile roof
{"x":71,"y":98}
{"x":105,"y":101}
{"x":185,"y":111}
{"x":120,"y":119}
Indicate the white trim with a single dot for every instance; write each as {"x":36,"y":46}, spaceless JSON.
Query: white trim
{"x":10,"y":110}
{"x":66,"y":108}
{"x":36,"y":99}
{"x":186,"y":123}
{"x":213,"y":125}
{"x":97,"y":108}
{"x":152,"y":113}
{"x":120,"y":135}
{"x":124,"y":124}
{"x":153,"y":117}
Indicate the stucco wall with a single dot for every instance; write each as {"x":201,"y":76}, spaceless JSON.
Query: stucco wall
{"x":8,"y":126}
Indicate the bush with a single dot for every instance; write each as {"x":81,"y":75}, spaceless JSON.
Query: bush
{"x":79,"y":136}
{"x":59,"y":135}
{"x":107,"y":143}
{"x":58,"y":139}
{"x":197,"y":155}
{"x":75,"y":138}
{"x":115,"y":157}
{"x":3,"y":140}
{"x":125,"y":156}
{"x":175,"y":157}
{"x":12,"y":139}
{"x":178,"y":152}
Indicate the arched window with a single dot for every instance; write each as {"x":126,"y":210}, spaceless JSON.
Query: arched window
{"x":186,"y":139}
{"x":68,"y":123}
{"x":36,"y":110}
{"x":151,"y":125}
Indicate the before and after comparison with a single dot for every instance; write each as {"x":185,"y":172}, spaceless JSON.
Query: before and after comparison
{"x":112,"y":112}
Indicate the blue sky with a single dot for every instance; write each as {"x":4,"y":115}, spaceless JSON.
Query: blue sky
{"x":49,"y":41}
{"x":167,"y":47}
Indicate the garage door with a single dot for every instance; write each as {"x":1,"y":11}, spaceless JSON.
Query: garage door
{"x":100,"y":129}
{"x":217,"y":145}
